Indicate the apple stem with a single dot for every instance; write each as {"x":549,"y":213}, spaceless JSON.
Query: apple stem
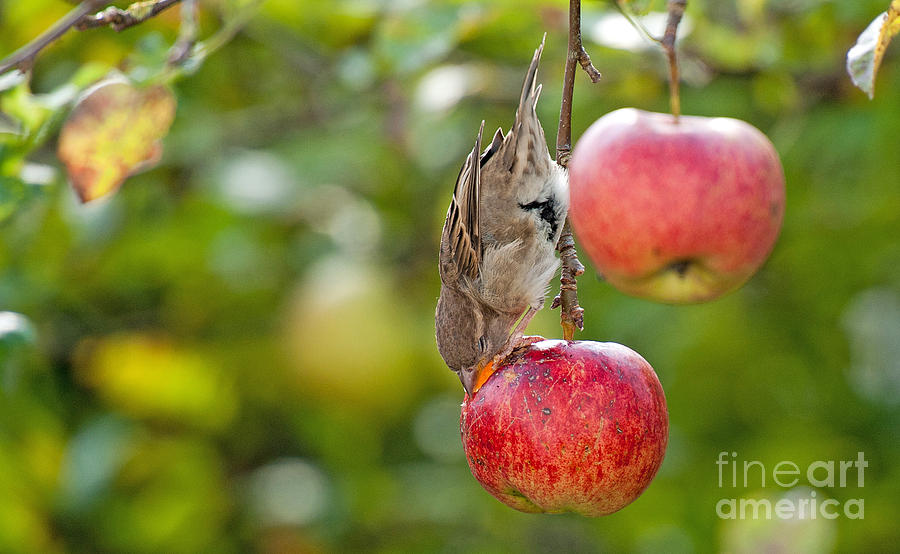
{"x":676,"y":12}
{"x":571,"y":314}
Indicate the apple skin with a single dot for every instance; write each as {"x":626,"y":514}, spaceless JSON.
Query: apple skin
{"x":676,"y":212}
{"x":567,"y":427}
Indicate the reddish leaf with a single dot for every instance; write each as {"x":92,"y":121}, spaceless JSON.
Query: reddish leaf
{"x":114,"y":131}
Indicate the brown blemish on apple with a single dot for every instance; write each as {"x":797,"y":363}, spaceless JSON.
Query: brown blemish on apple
{"x":775,"y":209}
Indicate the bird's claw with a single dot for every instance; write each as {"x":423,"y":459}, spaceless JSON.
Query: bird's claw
{"x":527,"y":340}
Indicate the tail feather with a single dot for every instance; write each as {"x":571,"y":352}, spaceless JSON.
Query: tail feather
{"x":530,"y":92}
{"x":525,"y":142}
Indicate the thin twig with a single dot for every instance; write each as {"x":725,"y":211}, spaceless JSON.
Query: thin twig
{"x":571,"y":315}
{"x":636,"y":23}
{"x":24,"y":56}
{"x":676,"y":12}
{"x":82,"y":18}
{"x":231,"y":27}
{"x":187,"y":33}
{"x":119,"y":19}
{"x":576,"y":53}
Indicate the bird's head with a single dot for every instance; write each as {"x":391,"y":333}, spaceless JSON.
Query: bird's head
{"x":469,"y":335}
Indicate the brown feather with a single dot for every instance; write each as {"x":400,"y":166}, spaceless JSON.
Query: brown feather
{"x":461,"y":227}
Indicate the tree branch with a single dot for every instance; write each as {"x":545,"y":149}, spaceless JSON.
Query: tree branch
{"x":187,"y":33}
{"x":24,"y":56}
{"x":576,"y":53}
{"x":119,"y":19}
{"x":571,"y":314}
{"x":676,"y":12}
{"x":81,"y":19}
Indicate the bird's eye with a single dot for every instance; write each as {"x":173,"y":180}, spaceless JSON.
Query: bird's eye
{"x":482,"y":343}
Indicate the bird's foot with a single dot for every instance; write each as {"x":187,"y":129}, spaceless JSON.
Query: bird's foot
{"x":527,"y":340}
{"x":516,"y":344}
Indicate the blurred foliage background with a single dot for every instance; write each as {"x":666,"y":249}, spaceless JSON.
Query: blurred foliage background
{"x":235,"y":353}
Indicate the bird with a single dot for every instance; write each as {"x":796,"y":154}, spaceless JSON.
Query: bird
{"x":498,"y":243}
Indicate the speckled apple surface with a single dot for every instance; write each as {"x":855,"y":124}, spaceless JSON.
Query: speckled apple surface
{"x":675,"y":212}
{"x":567,"y":426}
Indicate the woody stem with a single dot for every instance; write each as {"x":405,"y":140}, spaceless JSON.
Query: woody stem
{"x":571,"y":314}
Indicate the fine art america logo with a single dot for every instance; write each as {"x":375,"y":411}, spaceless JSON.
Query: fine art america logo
{"x":734,"y":473}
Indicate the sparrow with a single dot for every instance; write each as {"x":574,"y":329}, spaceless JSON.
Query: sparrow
{"x":498,"y":243}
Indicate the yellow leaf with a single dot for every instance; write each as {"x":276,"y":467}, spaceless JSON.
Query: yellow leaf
{"x":889,"y":28}
{"x":113,"y":132}
{"x":151,"y":377}
{"x":893,"y":20}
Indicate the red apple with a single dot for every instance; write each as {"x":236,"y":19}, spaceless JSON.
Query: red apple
{"x":567,"y":427}
{"x":675,"y":211}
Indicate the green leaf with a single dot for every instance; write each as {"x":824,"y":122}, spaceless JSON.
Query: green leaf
{"x":410,"y":40}
{"x":864,"y":59}
{"x":149,"y":59}
{"x":12,"y":192}
{"x":20,"y":105}
{"x":9,"y":127}
{"x":114,"y":131}
{"x":28,"y":120}
{"x":94,"y":456}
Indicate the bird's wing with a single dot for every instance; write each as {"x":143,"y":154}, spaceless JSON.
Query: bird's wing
{"x":461,"y":234}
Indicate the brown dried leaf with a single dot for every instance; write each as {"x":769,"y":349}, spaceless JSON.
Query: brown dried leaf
{"x":114,"y":131}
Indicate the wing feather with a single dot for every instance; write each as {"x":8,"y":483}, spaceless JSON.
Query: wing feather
{"x":461,"y":228}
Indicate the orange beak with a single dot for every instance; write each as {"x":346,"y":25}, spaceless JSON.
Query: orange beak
{"x":472,"y":380}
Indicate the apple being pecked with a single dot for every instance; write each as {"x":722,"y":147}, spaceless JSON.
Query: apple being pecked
{"x":567,"y":427}
{"x":675,"y":210}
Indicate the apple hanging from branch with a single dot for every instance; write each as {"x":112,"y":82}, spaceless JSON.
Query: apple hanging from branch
{"x":565,"y":426}
{"x":676,"y":210}
{"x":673,"y":208}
